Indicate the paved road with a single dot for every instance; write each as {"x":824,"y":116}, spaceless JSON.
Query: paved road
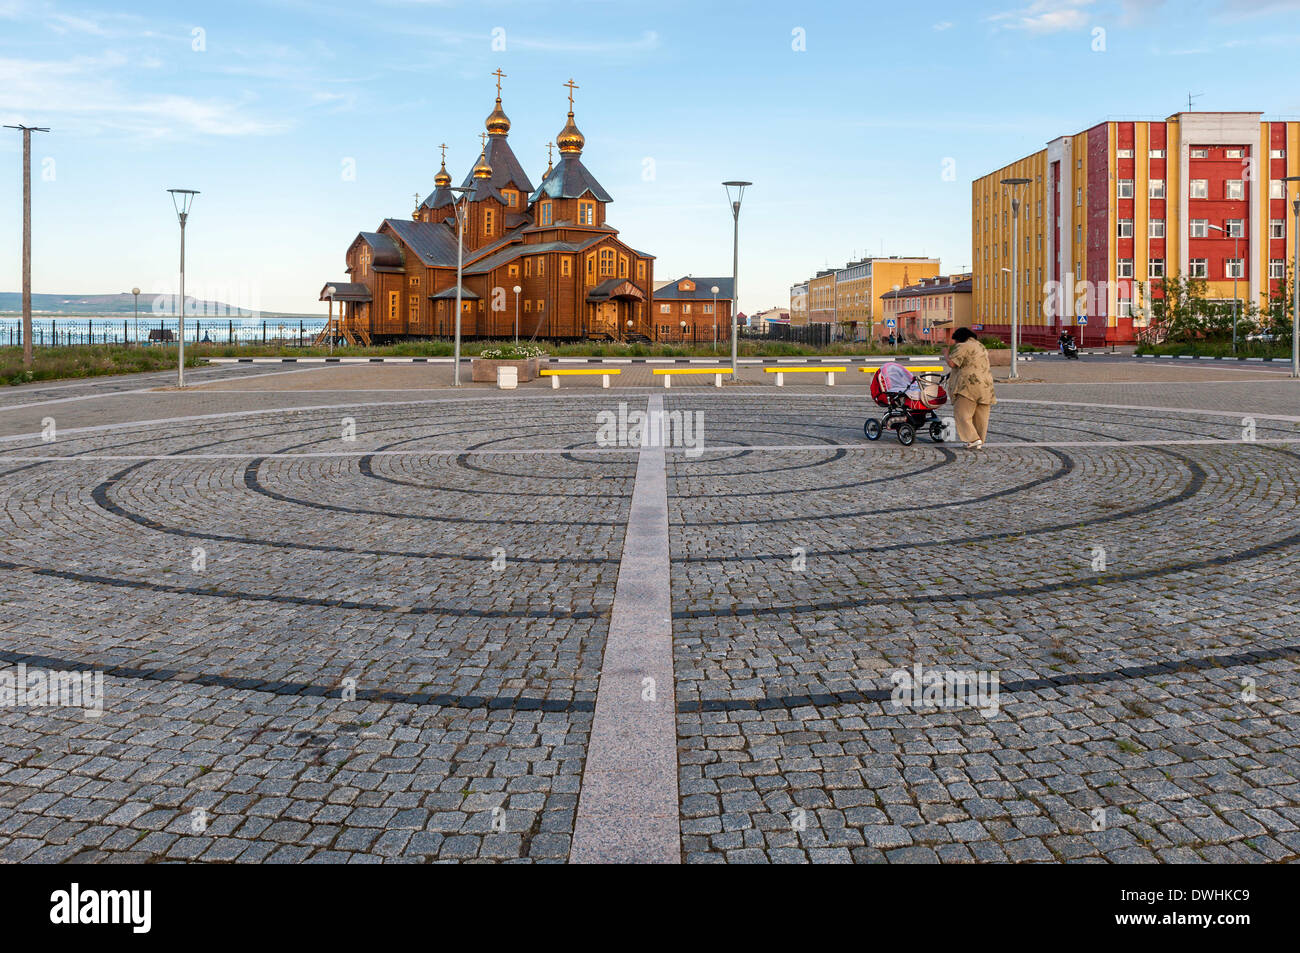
{"x":393,"y":647}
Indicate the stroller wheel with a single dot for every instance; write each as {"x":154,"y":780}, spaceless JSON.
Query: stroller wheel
{"x":936,"y":431}
{"x":871,"y":428}
{"x":906,"y":434}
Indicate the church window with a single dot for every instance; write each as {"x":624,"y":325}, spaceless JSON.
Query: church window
{"x":686,"y":309}
{"x":665,"y":309}
{"x":528,"y":307}
{"x":546,"y":213}
{"x":541,"y":305}
{"x":586,"y":213}
{"x":565,"y":266}
{"x":394,"y":306}
{"x":365,"y":260}
{"x":415,"y":281}
{"x":512,"y":197}
{"x":640,"y":271}
{"x":415,"y":307}
{"x":528,"y":267}
{"x":622,"y":266}
{"x":591,"y":269}
{"x":513,"y":271}
{"x":541,"y":266}
{"x":487,"y":221}
{"x":606,"y":262}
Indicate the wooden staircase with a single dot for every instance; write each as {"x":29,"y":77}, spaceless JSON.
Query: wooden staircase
{"x":336,"y":327}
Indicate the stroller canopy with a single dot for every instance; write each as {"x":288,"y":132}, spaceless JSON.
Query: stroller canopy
{"x":892,"y":379}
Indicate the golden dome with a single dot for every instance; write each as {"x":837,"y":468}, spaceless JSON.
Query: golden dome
{"x":443,"y":179}
{"x":498,"y":124}
{"x":481,"y":168}
{"x":570,"y":140}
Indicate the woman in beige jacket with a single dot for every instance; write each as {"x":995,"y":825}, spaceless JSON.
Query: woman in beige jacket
{"x":971,"y":387}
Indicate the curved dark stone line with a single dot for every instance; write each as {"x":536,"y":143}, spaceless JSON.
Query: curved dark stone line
{"x":213,"y":591}
{"x":839,"y":454}
{"x":948,"y":457}
{"x":1106,"y":579}
{"x":1128,"y":673}
{"x":1067,"y":466}
{"x":1195,"y":484}
{"x":520,"y":703}
{"x":252,"y":483}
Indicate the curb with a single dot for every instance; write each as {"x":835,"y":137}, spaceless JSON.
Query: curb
{"x":1199,"y":357}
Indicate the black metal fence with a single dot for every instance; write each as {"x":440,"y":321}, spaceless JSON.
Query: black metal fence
{"x":810,"y":334}
{"x":64,"y":332}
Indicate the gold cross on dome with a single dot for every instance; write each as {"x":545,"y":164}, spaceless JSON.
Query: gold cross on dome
{"x":572,"y":86}
{"x":500,"y":76}
{"x":549,"y":147}
{"x":483,"y":138}
{"x":443,"y":147}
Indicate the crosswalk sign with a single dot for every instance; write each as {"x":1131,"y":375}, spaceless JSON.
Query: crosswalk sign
{"x":1083,"y":319}
{"x":891,"y":323}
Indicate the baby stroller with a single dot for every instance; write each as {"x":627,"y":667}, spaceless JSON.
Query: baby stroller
{"x":910,"y":400}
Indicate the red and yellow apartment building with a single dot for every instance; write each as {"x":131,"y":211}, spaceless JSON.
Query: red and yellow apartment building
{"x":1111,"y":211}
{"x":930,"y":310}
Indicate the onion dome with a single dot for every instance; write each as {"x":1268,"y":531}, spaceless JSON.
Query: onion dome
{"x":570,"y":140}
{"x":443,"y":179}
{"x":498,"y":124}
{"x":481,"y":168}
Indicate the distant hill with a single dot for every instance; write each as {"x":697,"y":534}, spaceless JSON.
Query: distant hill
{"x":11,"y":302}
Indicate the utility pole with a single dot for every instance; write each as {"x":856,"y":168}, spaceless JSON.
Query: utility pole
{"x":27,"y":239}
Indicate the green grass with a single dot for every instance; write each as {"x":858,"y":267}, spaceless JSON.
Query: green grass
{"x":59,"y":363}
{"x":1219,"y":349}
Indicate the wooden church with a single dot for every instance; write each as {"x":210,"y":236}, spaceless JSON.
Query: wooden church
{"x":576,"y":278}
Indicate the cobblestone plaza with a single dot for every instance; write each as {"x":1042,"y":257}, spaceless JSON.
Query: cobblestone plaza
{"x":350,"y":615}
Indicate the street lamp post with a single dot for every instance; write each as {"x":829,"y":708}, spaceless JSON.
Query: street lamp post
{"x":459,"y":205}
{"x":1295,"y":281}
{"x":1015,"y":184}
{"x":517,"y":292}
{"x":330,"y":292}
{"x":182,"y":200}
{"x":27,"y":239}
{"x":735,"y":194}
{"x":714,"y":289}
{"x":136,"y":292}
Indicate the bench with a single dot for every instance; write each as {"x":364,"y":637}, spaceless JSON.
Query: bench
{"x":780,"y":373}
{"x":556,"y":373}
{"x":667,"y":373}
{"x":915,"y":369}
{"x":162,"y":334}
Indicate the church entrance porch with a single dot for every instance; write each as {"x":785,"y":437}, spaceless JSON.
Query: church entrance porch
{"x":616,"y":311}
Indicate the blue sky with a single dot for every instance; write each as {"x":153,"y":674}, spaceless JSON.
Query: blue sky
{"x":262,"y":106}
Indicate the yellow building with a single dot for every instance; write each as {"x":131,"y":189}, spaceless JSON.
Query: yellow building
{"x":821,"y":297}
{"x":930,"y":310}
{"x":1111,"y":211}
{"x":850,"y":298}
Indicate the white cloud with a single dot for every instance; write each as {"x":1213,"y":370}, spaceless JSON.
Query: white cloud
{"x":1045,"y":16}
{"x":80,"y":95}
{"x":943,"y":25}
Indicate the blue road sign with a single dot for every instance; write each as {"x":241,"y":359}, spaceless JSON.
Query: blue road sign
{"x":891,"y":323}
{"x":1083,"y":319}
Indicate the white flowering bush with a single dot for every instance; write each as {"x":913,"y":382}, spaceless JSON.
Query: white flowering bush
{"x":513,"y":352}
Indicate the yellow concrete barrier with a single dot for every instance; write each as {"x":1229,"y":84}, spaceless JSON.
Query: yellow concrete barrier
{"x":556,"y":373}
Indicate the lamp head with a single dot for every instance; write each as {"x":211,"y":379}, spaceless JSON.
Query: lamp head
{"x":736,"y":193}
{"x":182,"y":199}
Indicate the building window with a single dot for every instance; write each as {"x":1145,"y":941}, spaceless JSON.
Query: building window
{"x":513,"y":271}
{"x":1078,"y":196}
{"x":1156,"y":189}
{"x":686,"y":308}
{"x":1125,"y":308}
{"x":1199,"y":189}
{"x":394,"y":306}
{"x":1276,"y":228}
{"x":541,"y":305}
{"x":528,"y":306}
{"x":1234,"y":189}
{"x":1078,"y":233}
{"x":1156,"y":268}
{"x":665,"y":309}
{"x":1276,"y":268}
{"x":541,"y":267}
{"x":1125,"y":188}
{"x":1234,"y":228}
{"x":546,"y":213}
{"x":1124,"y":268}
{"x":1200,"y":153}
{"x":1200,"y":227}
{"x":1156,"y":154}
{"x":365,"y":261}
{"x":622,"y":266}
{"x":640,"y":271}
{"x":1277,"y":153}
{"x":1156,"y":228}
{"x":1197,"y":268}
{"x":1232,"y":153}
{"x":586,"y":213}
{"x":414,"y":307}
{"x":708,"y":308}
{"x":528,"y":267}
{"x":488,"y":215}
{"x":1123,"y":153}
{"x":1126,"y":228}
{"x":1232,"y":268}
{"x":607,"y":262}
{"x":1277,"y":189}
{"x":565,"y":266}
